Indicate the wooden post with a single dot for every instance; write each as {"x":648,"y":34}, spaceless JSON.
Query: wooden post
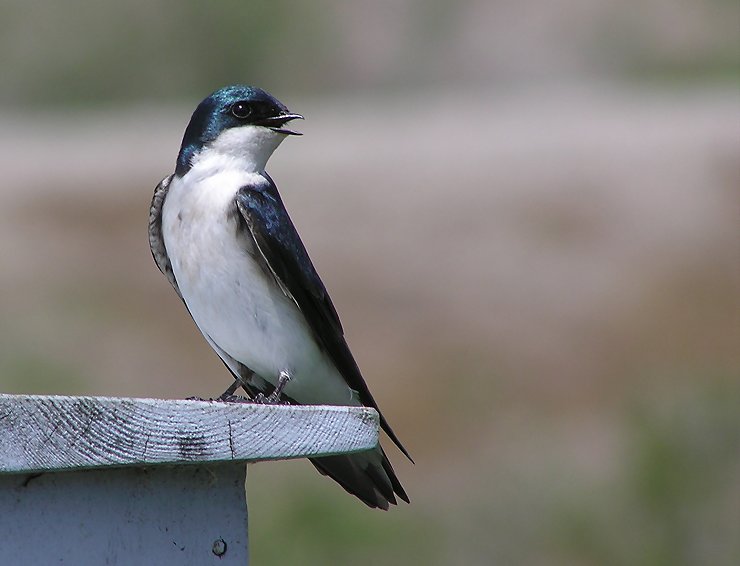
{"x":96,"y":480}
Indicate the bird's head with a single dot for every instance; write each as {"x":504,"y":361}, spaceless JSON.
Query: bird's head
{"x":240,"y":123}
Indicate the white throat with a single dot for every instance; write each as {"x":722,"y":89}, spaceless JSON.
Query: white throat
{"x":246,"y":148}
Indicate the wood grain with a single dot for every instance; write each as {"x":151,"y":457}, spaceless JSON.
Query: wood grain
{"x":46,"y":433}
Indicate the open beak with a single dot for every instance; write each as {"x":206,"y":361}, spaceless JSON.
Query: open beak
{"x":276,"y":123}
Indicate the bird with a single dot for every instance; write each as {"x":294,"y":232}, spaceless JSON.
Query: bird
{"x":221,"y":235}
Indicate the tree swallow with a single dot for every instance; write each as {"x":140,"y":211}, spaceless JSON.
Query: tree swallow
{"x":219,"y":232}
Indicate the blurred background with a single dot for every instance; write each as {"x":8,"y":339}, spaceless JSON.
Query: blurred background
{"x":528,"y":216}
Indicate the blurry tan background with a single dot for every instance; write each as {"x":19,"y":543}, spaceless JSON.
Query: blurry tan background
{"x":528,"y":216}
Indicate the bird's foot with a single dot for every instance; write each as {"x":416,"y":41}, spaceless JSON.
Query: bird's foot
{"x":271,"y":399}
{"x":197,"y":399}
{"x":235,"y":399}
{"x":262,"y":399}
{"x":274,"y":397}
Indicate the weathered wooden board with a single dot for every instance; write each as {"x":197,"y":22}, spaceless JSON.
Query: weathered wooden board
{"x":48,"y":433}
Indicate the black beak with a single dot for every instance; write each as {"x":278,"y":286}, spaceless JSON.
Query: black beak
{"x":276,"y":123}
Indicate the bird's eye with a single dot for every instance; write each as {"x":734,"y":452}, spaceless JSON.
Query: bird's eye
{"x":241,"y":109}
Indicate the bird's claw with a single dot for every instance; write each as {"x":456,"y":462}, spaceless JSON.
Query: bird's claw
{"x":274,"y":397}
{"x":235,"y":399}
{"x":261,"y":399}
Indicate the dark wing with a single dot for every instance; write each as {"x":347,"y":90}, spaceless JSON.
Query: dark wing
{"x":284,"y":255}
{"x":156,"y":240}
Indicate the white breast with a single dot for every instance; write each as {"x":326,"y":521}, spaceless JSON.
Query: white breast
{"x":230,"y":297}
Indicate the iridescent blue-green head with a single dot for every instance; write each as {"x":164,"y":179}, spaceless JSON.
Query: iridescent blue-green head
{"x":238,"y":122}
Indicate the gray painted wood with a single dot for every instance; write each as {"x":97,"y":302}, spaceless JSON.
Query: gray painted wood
{"x":127,"y":516}
{"x":98,"y":480}
{"x":43,"y":433}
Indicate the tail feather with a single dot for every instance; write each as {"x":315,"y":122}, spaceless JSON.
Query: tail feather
{"x":368,"y":476}
{"x":395,"y":483}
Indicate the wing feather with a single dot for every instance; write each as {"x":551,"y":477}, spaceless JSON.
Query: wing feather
{"x":156,"y":240}
{"x":285,"y":256}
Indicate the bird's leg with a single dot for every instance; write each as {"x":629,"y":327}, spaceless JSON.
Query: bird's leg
{"x":242,"y":378}
{"x":230,"y":391}
{"x":274,"y":397}
{"x":282,"y":382}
